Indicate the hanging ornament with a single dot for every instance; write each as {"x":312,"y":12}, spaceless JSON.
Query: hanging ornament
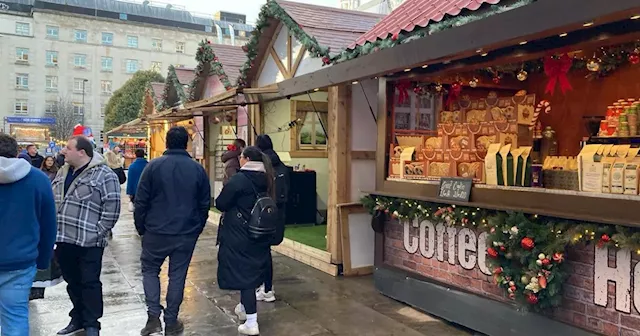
{"x":326,"y":60}
{"x":634,"y":57}
{"x":593,"y":64}
{"x":556,"y":70}
{"x":522,"y":75}
{"x":245,"y":48}
{"x":454,"y":93}
{"x":527,"y":243}
{"x":228,"y":117}
{"x":216,"y":120}
{"x":496,"y":79}
{"x":438,"y":87}
{"x":473,"y":82}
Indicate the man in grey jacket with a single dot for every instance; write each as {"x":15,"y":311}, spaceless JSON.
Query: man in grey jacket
{"x":87,"y":196}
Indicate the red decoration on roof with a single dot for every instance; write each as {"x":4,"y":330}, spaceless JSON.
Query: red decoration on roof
{"x":419,"y":13}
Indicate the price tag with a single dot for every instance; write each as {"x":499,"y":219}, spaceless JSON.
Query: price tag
{"x":455,"y":189}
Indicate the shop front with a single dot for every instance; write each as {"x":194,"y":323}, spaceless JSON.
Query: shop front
{"x":505,"y":172}
{"x":27,"y":130}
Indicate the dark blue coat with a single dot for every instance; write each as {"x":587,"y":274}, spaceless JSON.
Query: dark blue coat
{"x":135,"y":171}
{"x":241,"y":261}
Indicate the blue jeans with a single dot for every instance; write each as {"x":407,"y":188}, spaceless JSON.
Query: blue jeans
{"x":14,"y":301}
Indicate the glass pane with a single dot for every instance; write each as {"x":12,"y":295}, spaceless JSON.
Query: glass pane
{"x":402,"y":121}
{"x":306,"y":133}
{"x":321,"y":139}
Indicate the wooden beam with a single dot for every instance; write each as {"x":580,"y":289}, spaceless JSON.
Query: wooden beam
{"x":339,"y":145}
{"x":363,"y":155}
{"x":299,"y":59}
{"x":215,"y":99}
{"x":539,"y":19}
{"x":289,"y":54}
{"x":309,"y":153}
{"x":279,"y":64}
{"x":383,"y":117}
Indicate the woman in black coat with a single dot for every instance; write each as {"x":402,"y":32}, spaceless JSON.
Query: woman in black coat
{"x":242,"y":262}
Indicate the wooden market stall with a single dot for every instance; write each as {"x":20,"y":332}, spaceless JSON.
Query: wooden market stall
{"x":482,"y":215}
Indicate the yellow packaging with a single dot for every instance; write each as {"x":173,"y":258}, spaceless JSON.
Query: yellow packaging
{"x":631,"y":172}
{"x":617,"y":170}
{"x":590,"y":168}
{"x":491,"y":164}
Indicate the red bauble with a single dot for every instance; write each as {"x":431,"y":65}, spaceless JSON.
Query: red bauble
{"x":455,"y":86}
{"x":497,"y":270}
{"x":532,"y":299}
{"x":545,"y":262}
{"x":394,"y":37}
{"x":416,"y":90}
{"x":558,"y":257}
{"x":502,"y":248}
{"x":634,"y":58}
{"x":527,"y":243}
{"x":228,"y":117}
{"x":492,"y":252}
{"x":215,"y":59}
{"x":605,"y":238}
{"x":326,"y":60}
{"x":496,"y":80}
{"x":208,"y":42}
{"x":542,"y":281}
{"x":245,"y":48}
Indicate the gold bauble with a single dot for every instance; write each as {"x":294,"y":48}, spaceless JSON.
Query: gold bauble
{"x":438,"y":87}
{"x":522,"y":75}
{"x":473,"y":83}
{"x":593,"y":65}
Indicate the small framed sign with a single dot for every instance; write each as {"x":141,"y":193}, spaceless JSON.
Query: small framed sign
{"x":455,"y":189}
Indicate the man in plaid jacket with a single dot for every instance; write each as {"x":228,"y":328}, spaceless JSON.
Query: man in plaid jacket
{"x":87,"y":196}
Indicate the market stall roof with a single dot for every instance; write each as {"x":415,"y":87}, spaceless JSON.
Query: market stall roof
{"x":540,"y":19}
{"x":134,"y":126}
{"x":176,"y":87}
{"x":323,"y":31}
{"x":223,"y":61}
{"x":157,"y":88}
{"x":417,"y":13}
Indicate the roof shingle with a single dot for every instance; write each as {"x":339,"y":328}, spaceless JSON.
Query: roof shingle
{"x":231,"y":58}
{"x":158,"y":90}
{"x":185,"y":75}
{"x":419,"y":13}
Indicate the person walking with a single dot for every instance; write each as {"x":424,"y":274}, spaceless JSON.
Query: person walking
{"x":230,"y":159}
{"x":36,"y":159}
{"x":114,"y":162}
{"x":170,"y":211}
{"x":87,"y":195}
{"x":242,"y":260}
{"x":28,"y":226}
{"x":135,"y":171}
{"x":265,"y":292}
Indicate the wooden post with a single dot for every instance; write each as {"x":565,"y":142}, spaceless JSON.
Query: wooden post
{"x":383,"y":113}
{"x":339,"y":151}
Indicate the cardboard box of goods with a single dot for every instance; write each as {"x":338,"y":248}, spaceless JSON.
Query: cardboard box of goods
{"x":631,"y":171}
{"x":617,"y":169}
{"x":491,"y":164}
{"x":590,"y":168}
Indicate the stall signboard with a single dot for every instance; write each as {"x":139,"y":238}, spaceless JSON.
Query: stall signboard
{"x":455,"y":189}
{"x":30,"y":120}
{"x":601,"y":295}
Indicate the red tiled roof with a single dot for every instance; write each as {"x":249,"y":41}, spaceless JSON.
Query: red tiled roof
{"x":419,"y":13}
{"x":232,"y":58}
{"x":158,"y":90}
{"x":185,"y":75}
{"x":332,"y":27}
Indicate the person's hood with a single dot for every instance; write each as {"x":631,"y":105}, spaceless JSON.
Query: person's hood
{"x":273,"y":156}
{"x":13,"y":170}
{"x":228,"y":155}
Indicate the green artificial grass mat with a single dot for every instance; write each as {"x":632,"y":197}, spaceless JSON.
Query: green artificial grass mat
{"x":310,"y":235}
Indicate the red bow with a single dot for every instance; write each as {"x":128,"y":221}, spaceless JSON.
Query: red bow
{"x":231,"y":147}
{"x":556,"y":70}
{"x":454,"y":93}
{"x":403,"y":91}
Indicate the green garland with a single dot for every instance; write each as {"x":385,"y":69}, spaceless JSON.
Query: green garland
{"x":273,"y":10}
{"x":420,"y":32}
{"x":207,"y":57}
{"x":525,"y":251}
{"x":172,"y":81}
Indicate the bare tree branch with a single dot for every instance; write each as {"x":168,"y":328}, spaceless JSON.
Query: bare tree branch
{"x":66,"y":119}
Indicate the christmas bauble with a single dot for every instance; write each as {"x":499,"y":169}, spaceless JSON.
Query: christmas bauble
{"x":228,"y":117}
{"x":542,"y":281}
{"x":634,"y":58}
{"x":497,"y":270}
{"x":605,"y":238}
{"x":438,"y":87}
{"x":473,"y":83}
{"x":527,"y":243}
{"x":593,"y":65}
{"x":326,"y":60}
{"x":492,"y":252}
{"x":558,"y":257}
{"x":532,"y":299}
{"x":496,"y":80}
{"x":541,"y":256}
{"x":522,"y":75}
{"x":216,"y":120}
{"x":524,"y":279}
{"x":545,"y":262}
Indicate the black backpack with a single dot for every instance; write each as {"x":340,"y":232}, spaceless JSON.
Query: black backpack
{"x":263,"y":218}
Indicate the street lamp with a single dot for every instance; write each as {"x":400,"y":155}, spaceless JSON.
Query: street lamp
{"x":84,"y":81}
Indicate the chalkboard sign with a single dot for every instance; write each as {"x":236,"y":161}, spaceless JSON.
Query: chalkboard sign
{"x":455,"y":189}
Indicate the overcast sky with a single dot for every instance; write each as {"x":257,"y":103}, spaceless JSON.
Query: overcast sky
{"x":249,"y":7}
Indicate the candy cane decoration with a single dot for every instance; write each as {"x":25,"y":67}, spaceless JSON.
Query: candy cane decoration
{"x":542,"y":105}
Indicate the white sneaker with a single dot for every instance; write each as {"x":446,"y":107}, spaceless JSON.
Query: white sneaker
{"x":269,"y":296}
{"x":243,"y":329}
{"x":239,"y":310}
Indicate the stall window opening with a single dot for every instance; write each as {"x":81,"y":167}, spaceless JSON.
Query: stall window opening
{"x":415,"y":113}
{"x":310,"y":131}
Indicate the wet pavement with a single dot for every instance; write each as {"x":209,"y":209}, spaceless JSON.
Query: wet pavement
{"x":310,"y":303}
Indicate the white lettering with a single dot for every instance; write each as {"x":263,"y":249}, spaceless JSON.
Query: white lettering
{"x":427,"y":248}
{"x":482,"y":253}
{"x":467,"y":242}
{"x":619,"y":274}
{"x":411,"y":247}
{"x":451,"y":244}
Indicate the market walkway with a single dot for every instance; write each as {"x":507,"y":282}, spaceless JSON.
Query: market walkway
{"x":309,"y":302}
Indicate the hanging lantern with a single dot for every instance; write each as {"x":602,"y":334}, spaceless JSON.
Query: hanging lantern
{"x":522,"y":75}
{"x":473,"y":82}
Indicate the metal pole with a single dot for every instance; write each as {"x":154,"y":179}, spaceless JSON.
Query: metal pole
{"x":83,"y":82}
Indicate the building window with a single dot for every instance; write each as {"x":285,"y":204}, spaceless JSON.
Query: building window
{"x":51,"y":108}
{"x":132,"y":66}
{"x":156,"y":44}
{"x":21,"y":107}
{"x":22,"y":54}
{"x":156,"y":66}
{"x":53,"y":32}
{"x":51,"y":58}
{"x":107,"y":64}
{"x":208,"y":29}
{"x":22,"y":28}
{"x":51,"y":83}
{"x":79,"y":84}
{"x":311,"y":133}
{"x":80,"y":61}
{"x":22,"y":81}
{"x":80,"y":36}
{"x":242,"y":33}
{"x":132,"y":41}
{"x":105,"y":86}
{"x":78,"y":109}
{"x":107,"y":38}
{"x":224,"y":31}
{"x":180,"y":47}
{"x":123,"y":16}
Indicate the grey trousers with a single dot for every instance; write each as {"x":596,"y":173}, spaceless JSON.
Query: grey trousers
{"x":155,"y":249}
